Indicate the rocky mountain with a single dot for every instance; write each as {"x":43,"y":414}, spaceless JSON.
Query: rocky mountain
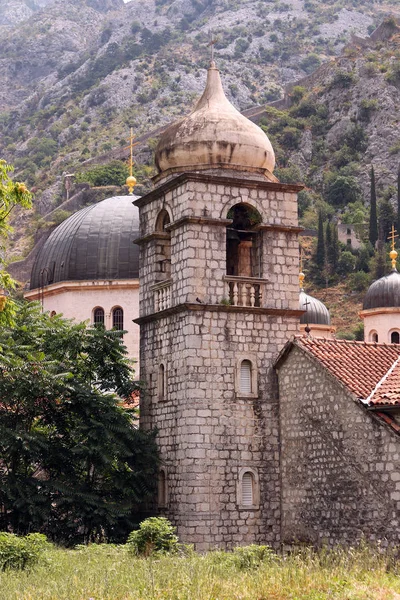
{"x":74,"y":75}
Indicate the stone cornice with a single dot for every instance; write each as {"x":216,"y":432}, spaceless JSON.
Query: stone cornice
{"x":190,"y":307}
{"x":369,"y":312}
{"x":163,"y":188}
{"x":72,"y":286}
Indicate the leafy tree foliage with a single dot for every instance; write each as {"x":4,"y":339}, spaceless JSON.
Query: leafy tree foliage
{"x":342,"y":190}
{"x":73,"y":464}
{"x":12,"y":194}
{"x":373,"y":218}
{"x":113,"y":173}
{"x":320,"y":250}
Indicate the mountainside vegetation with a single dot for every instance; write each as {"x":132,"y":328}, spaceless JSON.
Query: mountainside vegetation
{"x":325,"y":92}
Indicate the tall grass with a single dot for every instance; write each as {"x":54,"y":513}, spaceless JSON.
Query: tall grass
{"x":110,"y":573}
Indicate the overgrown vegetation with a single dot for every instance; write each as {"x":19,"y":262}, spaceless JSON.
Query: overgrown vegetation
{"x":109,"y":572}
{"x":73,"y":463}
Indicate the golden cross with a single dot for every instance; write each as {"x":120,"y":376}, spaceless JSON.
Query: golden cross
{"x":130,"y":147}
{"x":392,"y":235}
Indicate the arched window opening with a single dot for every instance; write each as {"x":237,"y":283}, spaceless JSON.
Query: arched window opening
{"x":98,"y":316}
{"x":245,"y":377}
{"x":163,"y":245}
{"x":247,"y":489}
{"x":161,"y":382}
{"x":395,"y":337}
{"x":53,"y":313}
{"x":243,"y":242}
{"x":118,"y":318}
{"x":162,"y":488}
{"x":373,"y":336}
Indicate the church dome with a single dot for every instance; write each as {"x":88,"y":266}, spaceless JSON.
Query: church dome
{"x":384,"y":293}
{"x":317,"y":313}
{"x":95,"y":243}
{"x":215,"y":134}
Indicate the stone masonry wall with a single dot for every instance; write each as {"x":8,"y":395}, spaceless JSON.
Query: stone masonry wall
{"x":340,"y":466}
{"x":208,"y":432}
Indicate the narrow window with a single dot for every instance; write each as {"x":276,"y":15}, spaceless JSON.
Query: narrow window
{"x":163,"y":245}
{"x":162,"y":489}
{"x":375,"y":337}
{"x":247,"y":489}
{"x":348,"y":231}
{"x":98,"y":316}
{"x":53,"y":313}
{"x":349,"y":242}
{"x":161,"y":382}
{"x":395,"y":337}
{"x":118,"y":318}
{"x":245,"y":377}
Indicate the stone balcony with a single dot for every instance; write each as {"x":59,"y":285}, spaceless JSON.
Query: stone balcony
{"x":162,"y":295}
{"x":245,"y":291}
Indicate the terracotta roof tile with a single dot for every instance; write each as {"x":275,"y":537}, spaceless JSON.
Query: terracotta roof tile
{"x":387,"y":391}
{"x":360,"y":366}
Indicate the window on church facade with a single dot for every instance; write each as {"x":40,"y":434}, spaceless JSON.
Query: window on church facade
{"x":245,"y":377}
{"x":163,"y":245}
{"x":248,"y":493}
{"x":395,"y":337}
{"x":373,"y":336}
{"x":247,"y":489}
{"x":246,"y":384}
{"x":243,"y":242}
{"x":98,"y":316}
{"x":118,"y":318}
{"x":162,"y":388}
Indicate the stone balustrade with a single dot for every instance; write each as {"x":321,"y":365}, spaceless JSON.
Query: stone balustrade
{"x":162,"y":295}
{"x":245,"y":291}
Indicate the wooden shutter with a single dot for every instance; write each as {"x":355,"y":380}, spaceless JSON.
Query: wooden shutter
{"x":245,"y":377}
{"x":247,"y":489}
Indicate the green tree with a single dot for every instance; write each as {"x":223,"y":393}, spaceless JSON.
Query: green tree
{"x":319,"y":257}
{"x":386,"y":219}
{"x":332,"y":247}
{"x":373,"y":218}
{"x":73,"y":464}
{"x":113,"y":173}
{"x":12,"y":194}
{"x":343,"y":190}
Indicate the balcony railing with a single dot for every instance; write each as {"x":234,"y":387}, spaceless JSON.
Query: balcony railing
{"x":245,"y":291}
{"x":162,"y":295}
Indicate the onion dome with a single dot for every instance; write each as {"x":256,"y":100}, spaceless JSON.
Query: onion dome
{"x":316,"y":311}
{"x":215,"y":134}
{"x":384,"y":293}
{"x":95,"y":243}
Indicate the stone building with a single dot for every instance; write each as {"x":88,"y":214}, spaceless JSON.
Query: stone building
{"x":300,"y":448}
{"x":340,"y":450}
{"x":88,"y":268}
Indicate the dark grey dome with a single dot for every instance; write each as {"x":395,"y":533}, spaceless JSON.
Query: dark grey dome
{"x":317,"y":313}
{"x":94,"y":243}
{"x":384,"y":293}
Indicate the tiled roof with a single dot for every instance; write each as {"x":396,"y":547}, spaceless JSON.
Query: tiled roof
{"x":387,"y":392}
{"x":360,"y":366}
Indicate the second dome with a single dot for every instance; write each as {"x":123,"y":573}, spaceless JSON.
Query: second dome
{"x":215,"y":134}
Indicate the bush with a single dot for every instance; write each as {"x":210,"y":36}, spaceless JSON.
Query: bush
{"x":155,"y":534}
{"x":247,"y":558}
{"x":359,"y":281}
{"x":343,"y":190}
{"x":21,"y":552}
{"x":347,"y":263}
{"x":113,"y":173}
{"x":343,"y":79}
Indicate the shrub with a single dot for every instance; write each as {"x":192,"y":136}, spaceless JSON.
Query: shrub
{"x":343,"y":190}
{"x":247,"y":558}
{"x":113,"y":173}
{"x":343,"y":79}
{"x":359,"y":281}
{"x":347,"y":263}
{"x":21,"y":552}
{"x":155,"y":534}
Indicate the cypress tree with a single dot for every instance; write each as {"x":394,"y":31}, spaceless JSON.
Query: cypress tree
{"x":373,"y":218}
{"x":320,"y":251}
{"x":332,"y":249}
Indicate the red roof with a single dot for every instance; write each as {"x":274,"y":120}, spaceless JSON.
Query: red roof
{"x":360,"y":366}
{"x":387,"y":392}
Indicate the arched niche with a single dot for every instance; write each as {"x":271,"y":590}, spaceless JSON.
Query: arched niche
{"x":163,"y":245}
{"x":243,"y":241}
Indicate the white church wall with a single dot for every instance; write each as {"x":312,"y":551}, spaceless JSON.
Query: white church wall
{"x":77,"y":300}
{"x":381,"y":322}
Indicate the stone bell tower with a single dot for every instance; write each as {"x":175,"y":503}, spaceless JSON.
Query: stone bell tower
{"x":218,"y":299}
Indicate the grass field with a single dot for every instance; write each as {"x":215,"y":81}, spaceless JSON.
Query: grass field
{"x":110,"y":573}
